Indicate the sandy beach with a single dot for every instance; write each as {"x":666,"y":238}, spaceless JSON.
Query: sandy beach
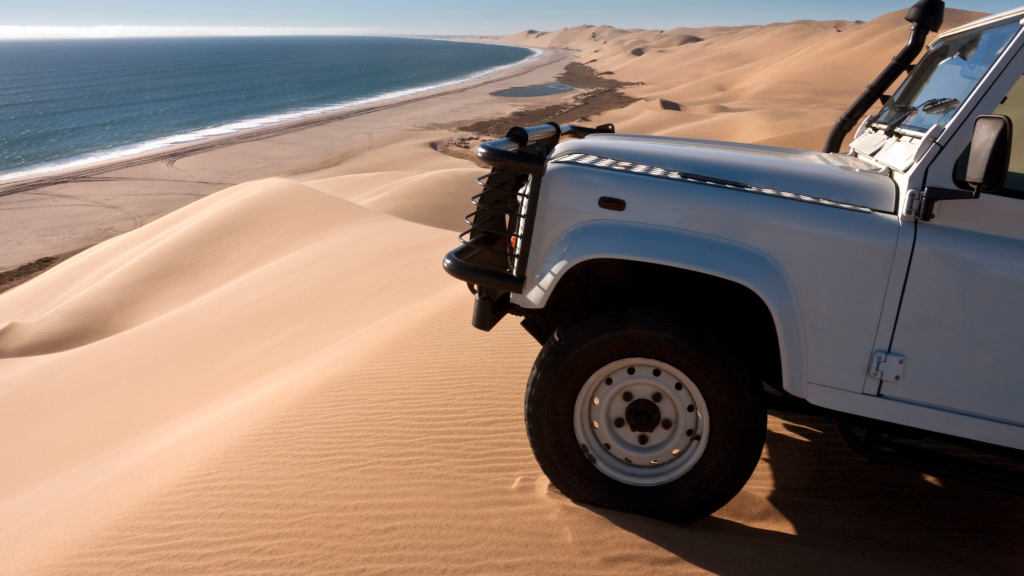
{"x":245,"y":357}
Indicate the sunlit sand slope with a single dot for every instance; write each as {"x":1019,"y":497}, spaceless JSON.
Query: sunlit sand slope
{"x":155,"y":323}
{"x":780,"y":84}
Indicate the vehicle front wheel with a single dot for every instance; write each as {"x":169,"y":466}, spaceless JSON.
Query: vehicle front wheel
{"x":638,"y":413}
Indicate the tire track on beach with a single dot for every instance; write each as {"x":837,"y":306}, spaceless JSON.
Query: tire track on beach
{"x":169,"y":157}
{"x":169,"y":164}
{"x":133,"y":179}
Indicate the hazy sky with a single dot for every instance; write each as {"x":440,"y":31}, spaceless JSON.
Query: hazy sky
{"x":450,"y":16}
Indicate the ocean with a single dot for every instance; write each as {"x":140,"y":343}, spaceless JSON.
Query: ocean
{"x":66,"y":103}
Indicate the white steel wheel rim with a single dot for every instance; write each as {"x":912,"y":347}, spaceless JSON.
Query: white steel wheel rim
{"x":613,"y":417}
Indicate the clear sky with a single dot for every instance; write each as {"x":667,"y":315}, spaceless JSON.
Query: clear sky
{"x":451,"y":16}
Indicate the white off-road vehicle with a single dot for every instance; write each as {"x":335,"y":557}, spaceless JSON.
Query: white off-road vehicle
{"x":681,"y":287}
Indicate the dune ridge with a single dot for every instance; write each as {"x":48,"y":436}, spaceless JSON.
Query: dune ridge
{"x":777,"y":84}
{"x":280,"y":379}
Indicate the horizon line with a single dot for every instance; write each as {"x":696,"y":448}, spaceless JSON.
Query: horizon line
{"x":127,"y":31}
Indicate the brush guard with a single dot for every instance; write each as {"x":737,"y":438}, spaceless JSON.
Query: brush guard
{"x":495,"y":250}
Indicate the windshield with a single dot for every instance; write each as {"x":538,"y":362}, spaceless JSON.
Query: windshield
{"x":945,"y":77}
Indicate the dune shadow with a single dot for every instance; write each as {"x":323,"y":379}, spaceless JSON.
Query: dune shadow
{"x":850,"y":516}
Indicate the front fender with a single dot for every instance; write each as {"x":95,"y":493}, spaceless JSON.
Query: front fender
{"x":680,"y":249}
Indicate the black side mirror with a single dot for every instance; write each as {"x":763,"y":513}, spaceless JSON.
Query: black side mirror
{"x":989,"y":163}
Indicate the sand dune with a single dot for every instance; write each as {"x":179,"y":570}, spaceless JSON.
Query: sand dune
{"x":436,"y":198}
{"x":159,"y":321}
{"x":280,"y":379}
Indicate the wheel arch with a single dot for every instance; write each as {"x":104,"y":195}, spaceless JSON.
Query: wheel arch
{"x":599,"y":258}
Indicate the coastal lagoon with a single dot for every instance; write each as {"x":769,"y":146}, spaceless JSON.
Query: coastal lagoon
{"x":534,"y":91}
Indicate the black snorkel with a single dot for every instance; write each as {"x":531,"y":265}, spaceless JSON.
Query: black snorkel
{"x":926,"y":16}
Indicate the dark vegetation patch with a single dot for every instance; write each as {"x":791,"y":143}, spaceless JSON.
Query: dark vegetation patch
{"x":600,"y":95}
{"x":26,"y":272}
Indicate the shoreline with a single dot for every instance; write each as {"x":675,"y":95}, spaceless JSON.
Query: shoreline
{"x":291,"y":119}
{"x":72,"y":209}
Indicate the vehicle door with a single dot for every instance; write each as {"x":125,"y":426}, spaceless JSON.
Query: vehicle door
{"x":961,"y":321}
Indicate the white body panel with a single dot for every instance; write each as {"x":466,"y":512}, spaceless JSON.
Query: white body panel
{"x":961,"y":324}
{"x":837,"y":178}
{"x":704,"y":253}
{"x":837,"y":261}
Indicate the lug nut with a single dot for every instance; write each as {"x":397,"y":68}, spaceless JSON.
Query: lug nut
{"x":656,"y":397}
{"x":666,"y":424}
{"x":619,"y":422}
{"x":627,"y":396}
{"x":642,"y":439}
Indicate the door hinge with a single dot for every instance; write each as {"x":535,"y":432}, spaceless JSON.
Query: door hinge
{"x":920,"y":205}
{"x":913,"y":206}
{"x":887,"y":367}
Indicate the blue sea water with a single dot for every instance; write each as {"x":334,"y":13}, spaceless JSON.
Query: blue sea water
{"x":65,"y":103}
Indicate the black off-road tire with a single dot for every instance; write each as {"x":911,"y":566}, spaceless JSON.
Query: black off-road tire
{"x":737,"y":415}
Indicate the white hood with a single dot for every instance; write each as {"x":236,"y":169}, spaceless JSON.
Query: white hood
{"x":832,"y":177}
